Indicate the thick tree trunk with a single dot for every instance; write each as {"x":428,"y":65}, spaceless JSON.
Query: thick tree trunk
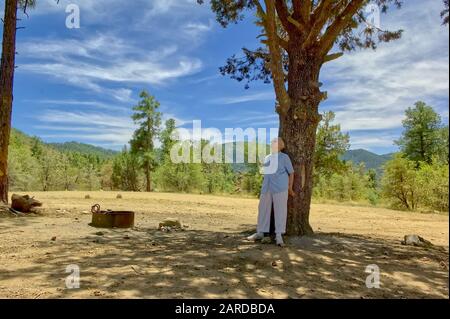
{"x":300,"y":138}
{"x":6,"y":91}
{"x":298,"y":128}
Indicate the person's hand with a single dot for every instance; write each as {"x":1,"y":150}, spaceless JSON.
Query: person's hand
{"x":292,"y":193}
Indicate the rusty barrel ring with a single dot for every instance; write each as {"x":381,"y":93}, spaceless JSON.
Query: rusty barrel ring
{"x":95,"y":209}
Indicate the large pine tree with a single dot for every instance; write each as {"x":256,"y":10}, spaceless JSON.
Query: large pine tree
{"x":148,"y":118}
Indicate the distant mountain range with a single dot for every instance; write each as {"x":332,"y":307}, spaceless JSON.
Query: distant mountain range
{"x":371,"y":160}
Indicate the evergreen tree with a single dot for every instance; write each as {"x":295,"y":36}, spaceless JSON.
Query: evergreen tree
{"x":421,"y":137}
{"x":147,"y":117}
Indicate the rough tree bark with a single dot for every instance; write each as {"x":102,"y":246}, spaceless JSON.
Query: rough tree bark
{"x":298,"y":128}
{"x":6,"y":91}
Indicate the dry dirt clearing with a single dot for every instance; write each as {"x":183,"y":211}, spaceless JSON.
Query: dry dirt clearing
{"x":211,"y":258}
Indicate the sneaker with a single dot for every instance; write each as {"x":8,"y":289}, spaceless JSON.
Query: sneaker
{"x":280,"y":241}
{"x":255,"y":237}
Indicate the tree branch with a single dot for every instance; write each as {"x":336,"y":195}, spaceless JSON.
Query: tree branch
{"x":332,"y":57}
{"x":283,"y":13}
{"x":339,"y":24}
{"x":276,"y":60}
{"x":320,"y":17}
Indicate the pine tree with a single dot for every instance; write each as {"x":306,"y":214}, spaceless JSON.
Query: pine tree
{"x":147,"y":117}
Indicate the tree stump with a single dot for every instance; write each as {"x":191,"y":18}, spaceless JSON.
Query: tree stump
{"x":24,"y":204}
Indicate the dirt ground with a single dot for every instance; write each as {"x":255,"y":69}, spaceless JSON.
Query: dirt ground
{"x":211,"y":259}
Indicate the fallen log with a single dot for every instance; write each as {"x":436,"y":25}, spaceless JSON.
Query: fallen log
{"x":24,"y":204}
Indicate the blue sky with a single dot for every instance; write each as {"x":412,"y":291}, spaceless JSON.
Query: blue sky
{"x":80,"y":84}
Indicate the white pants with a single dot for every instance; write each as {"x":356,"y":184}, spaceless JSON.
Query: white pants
{"x":279,"y":201}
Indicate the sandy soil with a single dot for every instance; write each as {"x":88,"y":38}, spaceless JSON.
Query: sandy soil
{"x":211,"y":258}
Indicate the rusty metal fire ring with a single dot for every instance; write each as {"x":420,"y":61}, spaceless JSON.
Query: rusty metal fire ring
{"x":111,"y":219}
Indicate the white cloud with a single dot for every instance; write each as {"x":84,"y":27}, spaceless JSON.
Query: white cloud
{"x":370,"y":90}
{"x":103,"y":58}
{"x":262,"y":96}
{"x":87,"y":126}
{"x":94,"y":104}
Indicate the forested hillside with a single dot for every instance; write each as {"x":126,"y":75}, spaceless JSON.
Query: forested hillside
{"x":84,"y":149}
{"x":370,"y":160}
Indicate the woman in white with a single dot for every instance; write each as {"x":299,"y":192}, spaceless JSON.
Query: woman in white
{"x":277,"y":186}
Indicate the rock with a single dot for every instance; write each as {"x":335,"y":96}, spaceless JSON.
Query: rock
{"x":24,"y":204}
{"x":100,"y":233}
{"x":172,"y":223}
{"x":54,"y":238}
{"x":415,"y":240}
{"x":87,"y":197}
{"x":119,"y":196}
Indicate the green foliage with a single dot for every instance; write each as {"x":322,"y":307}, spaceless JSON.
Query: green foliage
{"x":422,"y":136}
{"x":125,"y":172}
{"x":408,"y":186}
{"x":167,"y":138}
{"x":34,"y":165}
{"x":21,"y":164}
{"x":180,"y":177}
{"x":75,"y":147}
{"x":148,"y":119}
{"x":353,"y":183}
{"x":331,"y":145}
{"x":443,"y":147}
{"x":400,"y":183}
{"x":251,"y":182}
{"x":218,"y":178}
{"x":433,"y":186}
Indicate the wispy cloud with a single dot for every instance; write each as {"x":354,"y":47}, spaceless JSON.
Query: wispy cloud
{"x":90,"y":63}
{"x":93,"y":104}
{"x":262,"y":96}
{"x":87,"y":126}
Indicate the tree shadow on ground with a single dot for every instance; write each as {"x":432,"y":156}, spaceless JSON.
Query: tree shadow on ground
{"x":147,"y":263}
